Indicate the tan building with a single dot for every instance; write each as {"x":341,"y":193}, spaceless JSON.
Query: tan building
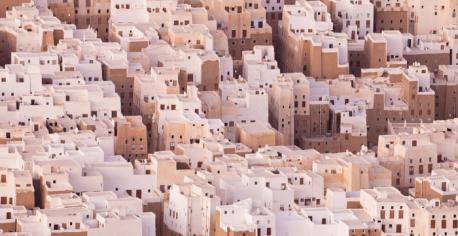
{"x":94,"y":14}
{"x":129,"y":37}
{"x":199,"y":66}
{"x":9,"y":215}
{"x":274,"y":15}
{"x":445,"y":87}
{"x":16,"y":187}
{"x":146,"y":89}
{"x":375,"y":49}
{"x":391,"y":16}
{"x":202,"y":70}
{"x":408,"y":156}
{"x":191,"y":35}
{"x":431,"y":16}
{"x":352,"y":172}
{"x":168,"y":169}
{"x":211,"y":104}
{"x":156,"y":206}
{"x":346,"y":127}
{"x":53,"y":183}
{"x":311,"y":48}
{"x":378,"y":50}
{"x":425,"y":147}
{"x":101,"y":127}
{"x":211,"y":71}
{"x":440,"y":185}
{"x":256,"y":135}
{"x":414,"y":104}
{"x":25,"y":192}
{"x":430,"y":50}
{"x":176,"y":121}
{"x":116,"y":69}
{"x":391,"y":48}
{"x":245,"y":25}
{"x":84,"y":14}
{"x":304,"y":114}
{"x":281,"y":111}
{"x":131,"y":139}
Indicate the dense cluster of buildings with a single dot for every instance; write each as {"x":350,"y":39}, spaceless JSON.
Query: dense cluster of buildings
{"x":228,"y":117}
